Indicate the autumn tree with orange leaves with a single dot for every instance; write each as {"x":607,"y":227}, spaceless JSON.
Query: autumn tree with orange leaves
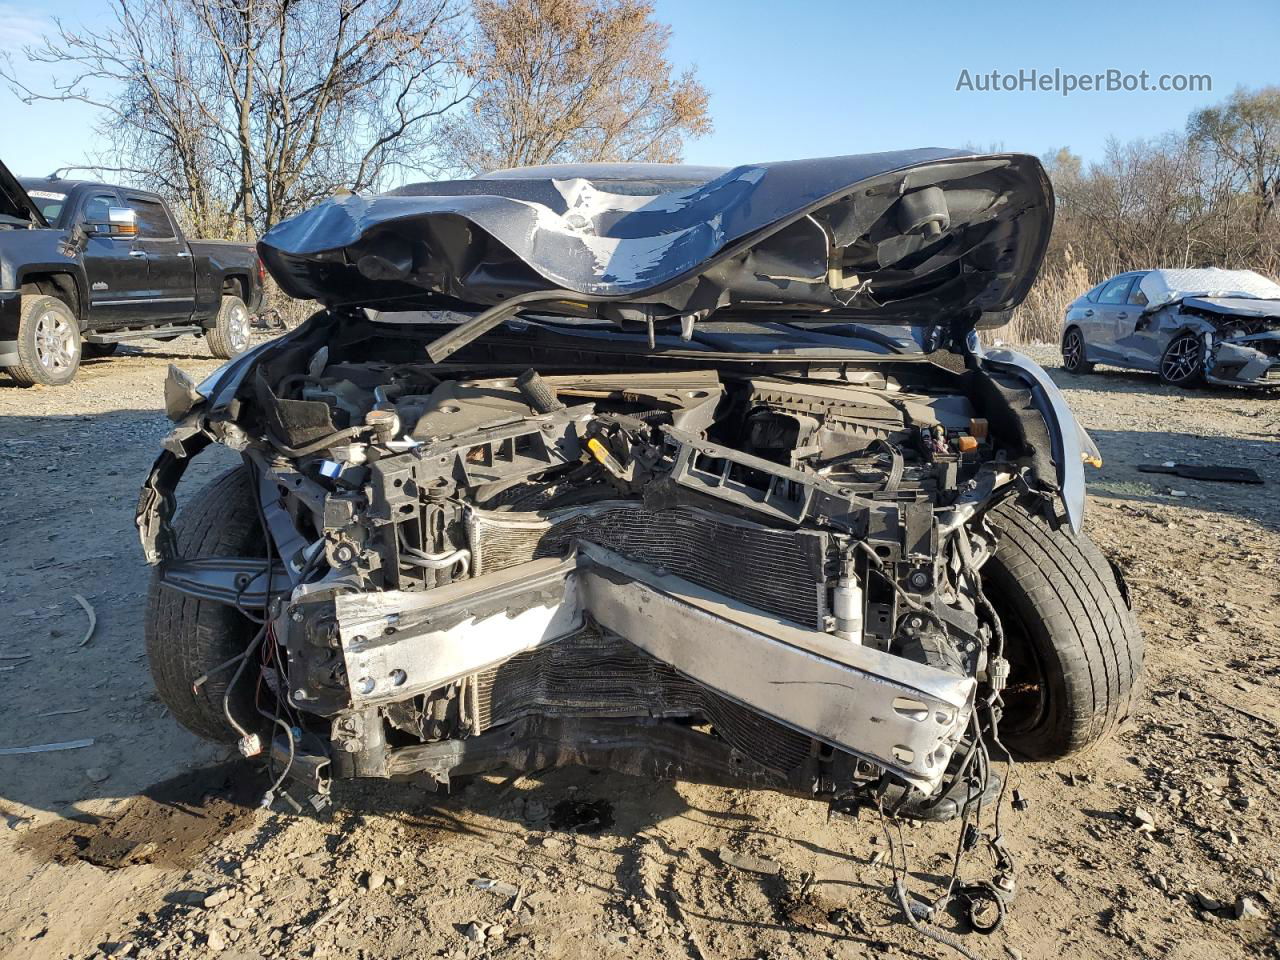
{"x":571,"y":80}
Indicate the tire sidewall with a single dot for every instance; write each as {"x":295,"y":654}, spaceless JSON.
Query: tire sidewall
{"x":33,"y":308}
{"x":1020,"y":617}
{"x":223,"y":338}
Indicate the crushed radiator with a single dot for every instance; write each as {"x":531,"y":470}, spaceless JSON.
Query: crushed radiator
{"x":777,"y":571}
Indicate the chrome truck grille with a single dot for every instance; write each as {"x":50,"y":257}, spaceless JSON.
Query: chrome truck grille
{"x":594,"y":674}
{"x":777,"y":571}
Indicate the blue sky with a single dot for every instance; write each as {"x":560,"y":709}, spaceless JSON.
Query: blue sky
{"x":818,"y":78}
{"x":805,"y":79}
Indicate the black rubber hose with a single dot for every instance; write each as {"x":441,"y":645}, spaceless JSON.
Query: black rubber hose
{"x":315,"y":446}
{"x":538,"y":392}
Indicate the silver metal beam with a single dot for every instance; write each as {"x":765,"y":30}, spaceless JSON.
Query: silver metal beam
{"x":398,"y":645}
{"x":904,"y":716}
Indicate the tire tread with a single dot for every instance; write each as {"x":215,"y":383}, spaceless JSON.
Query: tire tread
{"x":185,"y":637}
{"x":1070,"y":600}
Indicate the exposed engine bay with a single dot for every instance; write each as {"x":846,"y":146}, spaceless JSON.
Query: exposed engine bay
{"x":737,"y":574}
{"x":1233,"y":327}
{"x":507,"y":476}
{"x":1239,"y":348}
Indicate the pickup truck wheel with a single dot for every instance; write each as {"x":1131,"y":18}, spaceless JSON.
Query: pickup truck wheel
{"x":48,"y":343}
{"x":92,"y":351}
{"x":186,"y":637}
{"x":229,"y":335}
{"x":1073,"y":644}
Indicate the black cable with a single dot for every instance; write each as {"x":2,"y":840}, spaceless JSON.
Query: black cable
{"x":269,"y":796}
{"x":995,"y":700}
{"x":338,"y":436}
{"x":268,"y":543}
{"x":282,"y":685}
{"x":281,"y":680}
{"x":900,"y":890}
{"x":978,"y":788}
{"x":239,"y":603}
{"x":226,"y":694}
{"x":1009,"y":768}
{"x":896,"y":464}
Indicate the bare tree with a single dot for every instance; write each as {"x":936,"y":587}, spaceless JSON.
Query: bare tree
{"x":243,"y":112}
{"x":572,"y":80}
{"x":1245,"y":131}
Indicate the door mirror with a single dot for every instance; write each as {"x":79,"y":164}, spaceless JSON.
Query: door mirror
{"x":120,"y":222}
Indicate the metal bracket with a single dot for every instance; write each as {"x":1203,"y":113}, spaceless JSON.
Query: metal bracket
{"x":792,"y":496}
{"x":289,"y":543}
{"x":237,"y":581}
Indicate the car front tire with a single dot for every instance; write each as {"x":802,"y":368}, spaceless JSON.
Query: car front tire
{"x":48,"y":343}
{"x":1072,"y":641}
{"x":1182,"y":363}
{"x":187,"y":637}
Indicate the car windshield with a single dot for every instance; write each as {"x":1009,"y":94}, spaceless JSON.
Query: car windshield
{"x":50,"y":203}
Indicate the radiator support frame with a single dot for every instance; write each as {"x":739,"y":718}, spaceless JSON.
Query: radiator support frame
{"x":903,"y":716}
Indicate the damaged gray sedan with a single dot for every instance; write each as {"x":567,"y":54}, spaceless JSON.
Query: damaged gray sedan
{"x":686,"y":472}
{"x":1190,"y":326}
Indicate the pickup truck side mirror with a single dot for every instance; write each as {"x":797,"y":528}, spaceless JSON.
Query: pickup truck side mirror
{"x":120,"y":222}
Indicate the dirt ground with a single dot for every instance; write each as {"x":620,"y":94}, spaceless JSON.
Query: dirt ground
{"x":150,"y":844}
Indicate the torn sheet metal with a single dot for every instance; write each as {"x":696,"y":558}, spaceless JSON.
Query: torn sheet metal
{"x":887,"y":237}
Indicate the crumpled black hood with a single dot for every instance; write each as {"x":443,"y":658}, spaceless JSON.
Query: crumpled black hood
{"x":919,"y":236}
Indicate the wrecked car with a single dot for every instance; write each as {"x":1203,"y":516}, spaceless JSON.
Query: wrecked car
{"x":686,"y":472}
{"x":1190,"y":326}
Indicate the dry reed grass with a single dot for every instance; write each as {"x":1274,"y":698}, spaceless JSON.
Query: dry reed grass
{"x":1039,"y":316}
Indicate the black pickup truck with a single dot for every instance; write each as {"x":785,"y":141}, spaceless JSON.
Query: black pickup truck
{"x":84,"y":266}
